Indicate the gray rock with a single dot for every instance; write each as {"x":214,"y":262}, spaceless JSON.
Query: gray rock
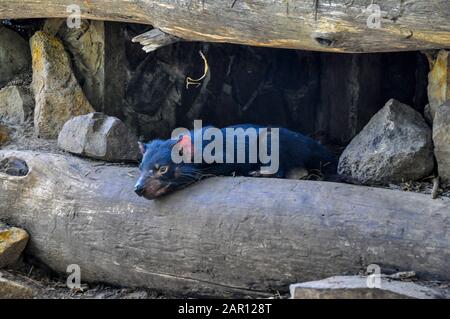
{"x":16,"y":104}
{"x":428,"y":114}
{"x":357,"y":287}
{"x":58,"y":95}
{"x":99,"y":60}
{"x":12,"y":243}
{"x":87,"y":46}
{"x":395,"y":146}
{"x":99,"y":136}
{"x":53,"y":25}
{"x":14,"y":55}
{"x":13,"y":290}
{"x":441,"y":138}
{"x":13,"y":166}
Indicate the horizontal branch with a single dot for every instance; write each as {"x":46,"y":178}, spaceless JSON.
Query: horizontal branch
{"x":334,"y":25}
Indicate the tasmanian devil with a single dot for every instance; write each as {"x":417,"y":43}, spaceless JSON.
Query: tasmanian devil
{"x":246,"y":150}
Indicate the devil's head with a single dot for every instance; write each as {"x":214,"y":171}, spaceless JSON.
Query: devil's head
{"x":160,"y":174}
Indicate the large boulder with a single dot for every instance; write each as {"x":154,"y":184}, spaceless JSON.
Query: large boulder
{"x":99,"y":136}
{"x":14,"y":55}
{"x":98,"y":54}
{"x":16,"y":104}
{"x":395,"y":146}
{"x":87,"y":46}
{"x":58,"y":95}
{"x":441,"y":138}
{"x":12,"y":243}
{"x":439,"y":81}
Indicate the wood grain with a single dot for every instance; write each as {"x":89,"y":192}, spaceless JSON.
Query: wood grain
{"x":331,"y":25}
{"x":223,"y":236}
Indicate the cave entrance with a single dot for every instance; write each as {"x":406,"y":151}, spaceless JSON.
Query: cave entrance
{"x":325,"y":95}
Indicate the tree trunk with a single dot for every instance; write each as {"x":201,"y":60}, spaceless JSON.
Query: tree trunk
{"x":222,"y":236}
{"x":323,"y":25}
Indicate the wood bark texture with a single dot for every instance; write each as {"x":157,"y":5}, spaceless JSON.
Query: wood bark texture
{"x":222,"y":236}
{"x":322,"y":25}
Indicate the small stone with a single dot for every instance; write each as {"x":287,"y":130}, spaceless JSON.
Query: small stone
{"x":14,"y":55}
{"x":58,"y":95}
{"x":14,"y":166}
{"x":12,"y":243}
{"x":99,"y":136}
{"x":395,"y":146}
{"x":16,"y":104}
{"x":14,"y":290}
{"x":361,"y":287}
{"x":441,"y":139}
{"x":297,"y":173}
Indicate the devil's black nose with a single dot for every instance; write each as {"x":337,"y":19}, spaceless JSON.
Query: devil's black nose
{"x":139,"y":190}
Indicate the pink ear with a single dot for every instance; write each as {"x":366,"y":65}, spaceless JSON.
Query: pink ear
{"x":185,"y":143}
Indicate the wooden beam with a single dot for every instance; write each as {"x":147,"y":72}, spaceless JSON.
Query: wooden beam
{"x":332,"y":25}
{"x":222,"y":236}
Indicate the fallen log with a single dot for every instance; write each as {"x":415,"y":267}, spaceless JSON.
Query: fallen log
{"x":222,"y":236}
{"x":331,"y":25}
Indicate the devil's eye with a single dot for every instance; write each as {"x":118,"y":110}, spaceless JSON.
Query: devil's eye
{"x":163,"y":169}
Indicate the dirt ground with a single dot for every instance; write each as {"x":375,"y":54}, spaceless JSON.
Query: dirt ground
{"x":47,"y":285}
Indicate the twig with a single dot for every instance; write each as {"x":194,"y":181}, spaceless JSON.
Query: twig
{"x":349,"y":3}
{"x":31,"y":270}
{"x":37,"y":283}
{"x":191,"y":81}
{"x":401,"y":275}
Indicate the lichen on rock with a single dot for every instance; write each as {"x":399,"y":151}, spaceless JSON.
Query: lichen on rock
{"x":12,"y":243}
{"x":58,"y":95}
{"x":439,"y":81}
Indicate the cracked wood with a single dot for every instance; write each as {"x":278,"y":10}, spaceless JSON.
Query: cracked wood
{"x":322,"y":25}
{"x":223,"y":236}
